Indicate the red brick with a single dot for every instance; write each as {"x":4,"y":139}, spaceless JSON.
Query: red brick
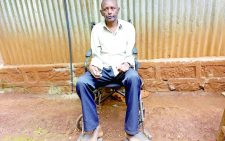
{"x":11,"y":75}
{"x":147,"y":73}
{"x":215,"y":84}
{"x":59,"y":76}
{"x":188,"y":84}
{"x":178,"y":72}
{"x":79,"y":71}
{"x":213,"y":71}
{"x":155,"y":85}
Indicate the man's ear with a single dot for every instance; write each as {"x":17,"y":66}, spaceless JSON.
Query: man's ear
{"x":101,"y":12}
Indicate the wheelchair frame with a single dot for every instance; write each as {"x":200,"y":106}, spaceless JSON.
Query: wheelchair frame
{"x":99,"y":98}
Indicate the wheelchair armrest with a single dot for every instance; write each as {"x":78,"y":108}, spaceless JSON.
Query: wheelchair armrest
{"x":87,"y":58}
{"x":137,"y":64}
{"x":88,"y":53}
{"x":134,"y":51}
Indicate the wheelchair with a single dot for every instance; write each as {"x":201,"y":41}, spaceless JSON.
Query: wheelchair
{"x":113,"y":87}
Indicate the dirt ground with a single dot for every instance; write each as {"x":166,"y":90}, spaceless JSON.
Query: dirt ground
{"x":170,"y":116}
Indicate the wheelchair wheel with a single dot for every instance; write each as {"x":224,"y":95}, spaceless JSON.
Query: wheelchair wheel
{"x":79,"y":122}
{"x":141,"y":113}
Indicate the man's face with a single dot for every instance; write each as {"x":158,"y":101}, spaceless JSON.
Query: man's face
{"x":109,"y":10}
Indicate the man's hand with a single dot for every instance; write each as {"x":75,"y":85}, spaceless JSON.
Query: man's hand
{"x":123,"y":67}
{"x":95,"y":71}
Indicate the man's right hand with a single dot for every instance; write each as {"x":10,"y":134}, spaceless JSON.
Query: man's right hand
{"x":95,"y":71}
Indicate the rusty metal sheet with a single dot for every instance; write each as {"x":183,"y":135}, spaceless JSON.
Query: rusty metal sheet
{"x":34,"y":31}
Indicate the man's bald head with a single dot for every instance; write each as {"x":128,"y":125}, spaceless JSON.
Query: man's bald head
{"x":105,"y":1}
{"x":109,"y":10}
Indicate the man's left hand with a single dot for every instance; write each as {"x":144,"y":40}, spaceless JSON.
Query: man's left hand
{"x":123,"y":67}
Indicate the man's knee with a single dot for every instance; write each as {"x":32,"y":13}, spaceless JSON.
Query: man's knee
{"x":81,"y":82}
{"x":133,"y":76}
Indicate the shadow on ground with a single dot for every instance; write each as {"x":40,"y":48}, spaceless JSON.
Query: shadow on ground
{"x":170,"y":116}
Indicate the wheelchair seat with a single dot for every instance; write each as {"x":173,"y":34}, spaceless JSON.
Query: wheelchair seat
{"x":113,"y":85}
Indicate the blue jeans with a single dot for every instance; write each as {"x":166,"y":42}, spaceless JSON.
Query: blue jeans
{"x":86,"y":84}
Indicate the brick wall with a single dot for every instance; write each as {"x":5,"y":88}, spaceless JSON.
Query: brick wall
{"x":188,"y":74}
{"x":207,"y":74}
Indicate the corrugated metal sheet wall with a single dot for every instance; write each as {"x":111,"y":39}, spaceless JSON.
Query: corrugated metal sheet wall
{"x":34,"y":31}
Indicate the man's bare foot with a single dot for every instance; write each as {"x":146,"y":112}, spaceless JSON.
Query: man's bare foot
{"x":92,"y":135}
{"x":98,"y":133}
{"x":138,"y":137}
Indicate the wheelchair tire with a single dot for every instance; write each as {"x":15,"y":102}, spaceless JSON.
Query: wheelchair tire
{"x":79,"y":122}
